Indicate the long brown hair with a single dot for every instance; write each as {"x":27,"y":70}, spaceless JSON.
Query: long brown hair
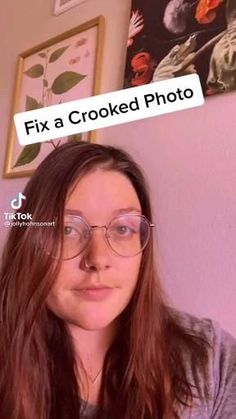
{"x":144,"y":374}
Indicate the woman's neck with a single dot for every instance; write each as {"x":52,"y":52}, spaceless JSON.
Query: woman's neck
{"x":92,"y":343}
{"x":90,"y":348}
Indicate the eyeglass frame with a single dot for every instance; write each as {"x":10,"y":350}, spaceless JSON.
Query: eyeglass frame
{"x":92,"y":227}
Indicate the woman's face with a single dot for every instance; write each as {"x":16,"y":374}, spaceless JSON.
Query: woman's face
{"x":93,"y":288}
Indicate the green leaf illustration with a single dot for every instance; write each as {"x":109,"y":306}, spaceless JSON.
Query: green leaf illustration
{"x":74,"y":137}
{"x":65,"y":81}
{"x":56,"y":54}
{"x":28,"y":154}
{"x":35,"y":71}
{"x":42,"y":54}
{"x":31,"y":103}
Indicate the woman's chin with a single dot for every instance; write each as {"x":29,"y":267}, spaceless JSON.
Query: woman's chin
{"x":94,"y":322}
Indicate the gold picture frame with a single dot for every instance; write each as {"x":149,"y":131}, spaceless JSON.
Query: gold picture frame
{"x":61,"y":6}
{"x":70,"y":61}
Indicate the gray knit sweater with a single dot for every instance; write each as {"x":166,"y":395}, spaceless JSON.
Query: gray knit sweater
{"x":221,"y":374}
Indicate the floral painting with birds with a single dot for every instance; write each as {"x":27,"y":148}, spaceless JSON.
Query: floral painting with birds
{"x":172,"y":38}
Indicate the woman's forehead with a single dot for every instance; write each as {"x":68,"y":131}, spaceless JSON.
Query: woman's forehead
{"x":103,"y":190}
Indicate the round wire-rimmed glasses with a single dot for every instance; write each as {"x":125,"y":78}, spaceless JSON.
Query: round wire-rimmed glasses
{"x":126,"y":235}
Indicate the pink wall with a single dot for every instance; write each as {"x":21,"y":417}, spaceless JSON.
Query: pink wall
{"x":190,"y":160}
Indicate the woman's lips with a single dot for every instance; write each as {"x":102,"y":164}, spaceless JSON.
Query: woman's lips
{"x":94,"y":294}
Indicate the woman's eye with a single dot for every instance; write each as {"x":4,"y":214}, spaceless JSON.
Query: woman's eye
{"x":123,"y":230}
{"x":76,"y":233}
{"x":69,"y":231}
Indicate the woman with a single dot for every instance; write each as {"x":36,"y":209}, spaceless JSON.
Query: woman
{"x":85,"y":329}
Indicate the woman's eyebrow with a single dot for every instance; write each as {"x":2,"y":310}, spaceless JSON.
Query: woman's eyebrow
{"x":127,"y":210}
{"x":116,"y":212}
{"x":73,"y":212}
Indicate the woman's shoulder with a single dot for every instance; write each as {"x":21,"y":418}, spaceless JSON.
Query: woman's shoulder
{"x":210,"y":330}
{"x":220,"y":376}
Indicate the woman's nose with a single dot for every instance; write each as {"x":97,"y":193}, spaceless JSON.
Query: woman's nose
{"x":98,"y":254}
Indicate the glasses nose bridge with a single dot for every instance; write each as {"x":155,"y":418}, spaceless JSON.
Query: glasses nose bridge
{"x":103,"y":237}
{"x":96,"y":227}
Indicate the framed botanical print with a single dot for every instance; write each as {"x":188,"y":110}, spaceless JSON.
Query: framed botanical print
{"x":62,"y":69}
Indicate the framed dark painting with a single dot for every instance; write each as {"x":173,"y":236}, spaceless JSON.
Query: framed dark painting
{"x":172,"y":38}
